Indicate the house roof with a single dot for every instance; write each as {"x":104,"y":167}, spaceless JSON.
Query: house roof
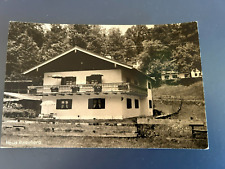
{"x":18,"y":81}
{"x":22,"y":96}
{"x":169,"y":72}
{"x":81,"y":50}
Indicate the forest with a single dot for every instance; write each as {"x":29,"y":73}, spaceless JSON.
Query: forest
{"x":161,"y":47}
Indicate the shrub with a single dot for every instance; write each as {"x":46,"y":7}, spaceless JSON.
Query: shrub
{"x":13,"y":113}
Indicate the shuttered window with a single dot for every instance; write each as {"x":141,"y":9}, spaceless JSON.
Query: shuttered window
{"x":64,"y":104}
{"x":68,"y":81}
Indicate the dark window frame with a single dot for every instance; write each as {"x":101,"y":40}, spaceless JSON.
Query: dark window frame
{"x":94,"y":79}
{"x":136,"y":104}
{"x":64,"y":104}
{"x":150,"y":104}
{"x":149,"y":85}
{"x":167,"y":77}
{"x":68,"y":80}
{"x":174,"y":76}
{"x":96,"y":103}
{"x":129,"y":103}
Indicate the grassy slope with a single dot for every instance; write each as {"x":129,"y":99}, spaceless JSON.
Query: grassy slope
{"x":194,"y":110}
{"x":194,"y":91}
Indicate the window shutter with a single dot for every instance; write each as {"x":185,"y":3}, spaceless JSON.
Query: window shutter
{"x":70,"y":103}
{"x":63,"y":81}
{"x":103,"y":103}
{"x":90,"y":103}
{"x":136,"y":103}
{"x":58,"y":104}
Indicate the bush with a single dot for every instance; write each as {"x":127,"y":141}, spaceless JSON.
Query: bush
{"x":172,"y":82}
{"x":189,"y":81}
{"x":13,"y":113}
{"x":184,"y":82}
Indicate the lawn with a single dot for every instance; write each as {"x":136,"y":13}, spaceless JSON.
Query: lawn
{"x":101,"y":142}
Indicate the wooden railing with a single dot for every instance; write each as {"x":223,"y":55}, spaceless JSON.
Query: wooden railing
{"x":88,"y":88}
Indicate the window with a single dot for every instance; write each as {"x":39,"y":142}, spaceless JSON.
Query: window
{"x":200,"y":74}
{"x":150,"y":104}
{"x":129,"y":103}
{"x":68,"y":81}
{"x":54,"y":89}
{"x":94,"y":79}
{"x":196,"y":74}
{"x":149,"y":85}
{"x":136,"y":101}
{"x":166,"y":76}
{"x":174,"y":76}
{"x":97,"y":103}
{"x":64,"y":104}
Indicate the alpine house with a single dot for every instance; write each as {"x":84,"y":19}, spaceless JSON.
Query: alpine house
{"x":79,"y":84}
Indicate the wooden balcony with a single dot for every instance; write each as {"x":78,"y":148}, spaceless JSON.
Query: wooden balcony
{"x":79,"y":89}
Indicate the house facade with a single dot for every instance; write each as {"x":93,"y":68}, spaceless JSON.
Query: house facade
{"x":79,"y":84}
{"x":173,"y":75}
{"x":196,"y":73}
{"x":169,"y":75}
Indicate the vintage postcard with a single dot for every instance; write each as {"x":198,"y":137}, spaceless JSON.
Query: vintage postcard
{"x":103,"y":86}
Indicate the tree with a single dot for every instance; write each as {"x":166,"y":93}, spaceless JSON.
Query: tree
{"x":115,"y":46}
{"x":78,"y":35}
{"x":96,"y":40}
{"x":21,"y":55}
{"x":155,"y":58}
{"x":24,"y":42}
{"x":55,"y":42}
{"x":187,"y":57}
{"x":130,"y":51}
{"x":137,"y":34}
{"x":189,"y":32}
{"x":163,"y":47}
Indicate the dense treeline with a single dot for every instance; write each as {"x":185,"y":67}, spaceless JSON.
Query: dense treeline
{"x":162,"y":47}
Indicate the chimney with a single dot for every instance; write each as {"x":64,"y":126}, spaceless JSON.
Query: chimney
{"x":109,"y":57}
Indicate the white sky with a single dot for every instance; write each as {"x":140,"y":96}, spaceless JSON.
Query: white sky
{"x":122,"y":28}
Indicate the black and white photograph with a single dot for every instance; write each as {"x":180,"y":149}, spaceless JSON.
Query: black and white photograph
{"x":103,"y":86}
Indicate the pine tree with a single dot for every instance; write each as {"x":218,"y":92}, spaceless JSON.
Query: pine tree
{"x":23,"y":50}
{"x":115,"y":46}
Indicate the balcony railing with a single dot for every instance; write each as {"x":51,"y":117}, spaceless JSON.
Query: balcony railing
{"x":104,"y":88}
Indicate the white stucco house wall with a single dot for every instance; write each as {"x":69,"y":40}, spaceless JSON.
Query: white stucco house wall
{"x":183,"y":75}
{"x":79,"y":84}
{"x":169,"y":75}
{"x":173,"y":75}
{"x":196,"y":73}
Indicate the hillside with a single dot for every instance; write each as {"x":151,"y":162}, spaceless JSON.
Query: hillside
{"x":192,"y":92}
{"x":168,"y":98}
